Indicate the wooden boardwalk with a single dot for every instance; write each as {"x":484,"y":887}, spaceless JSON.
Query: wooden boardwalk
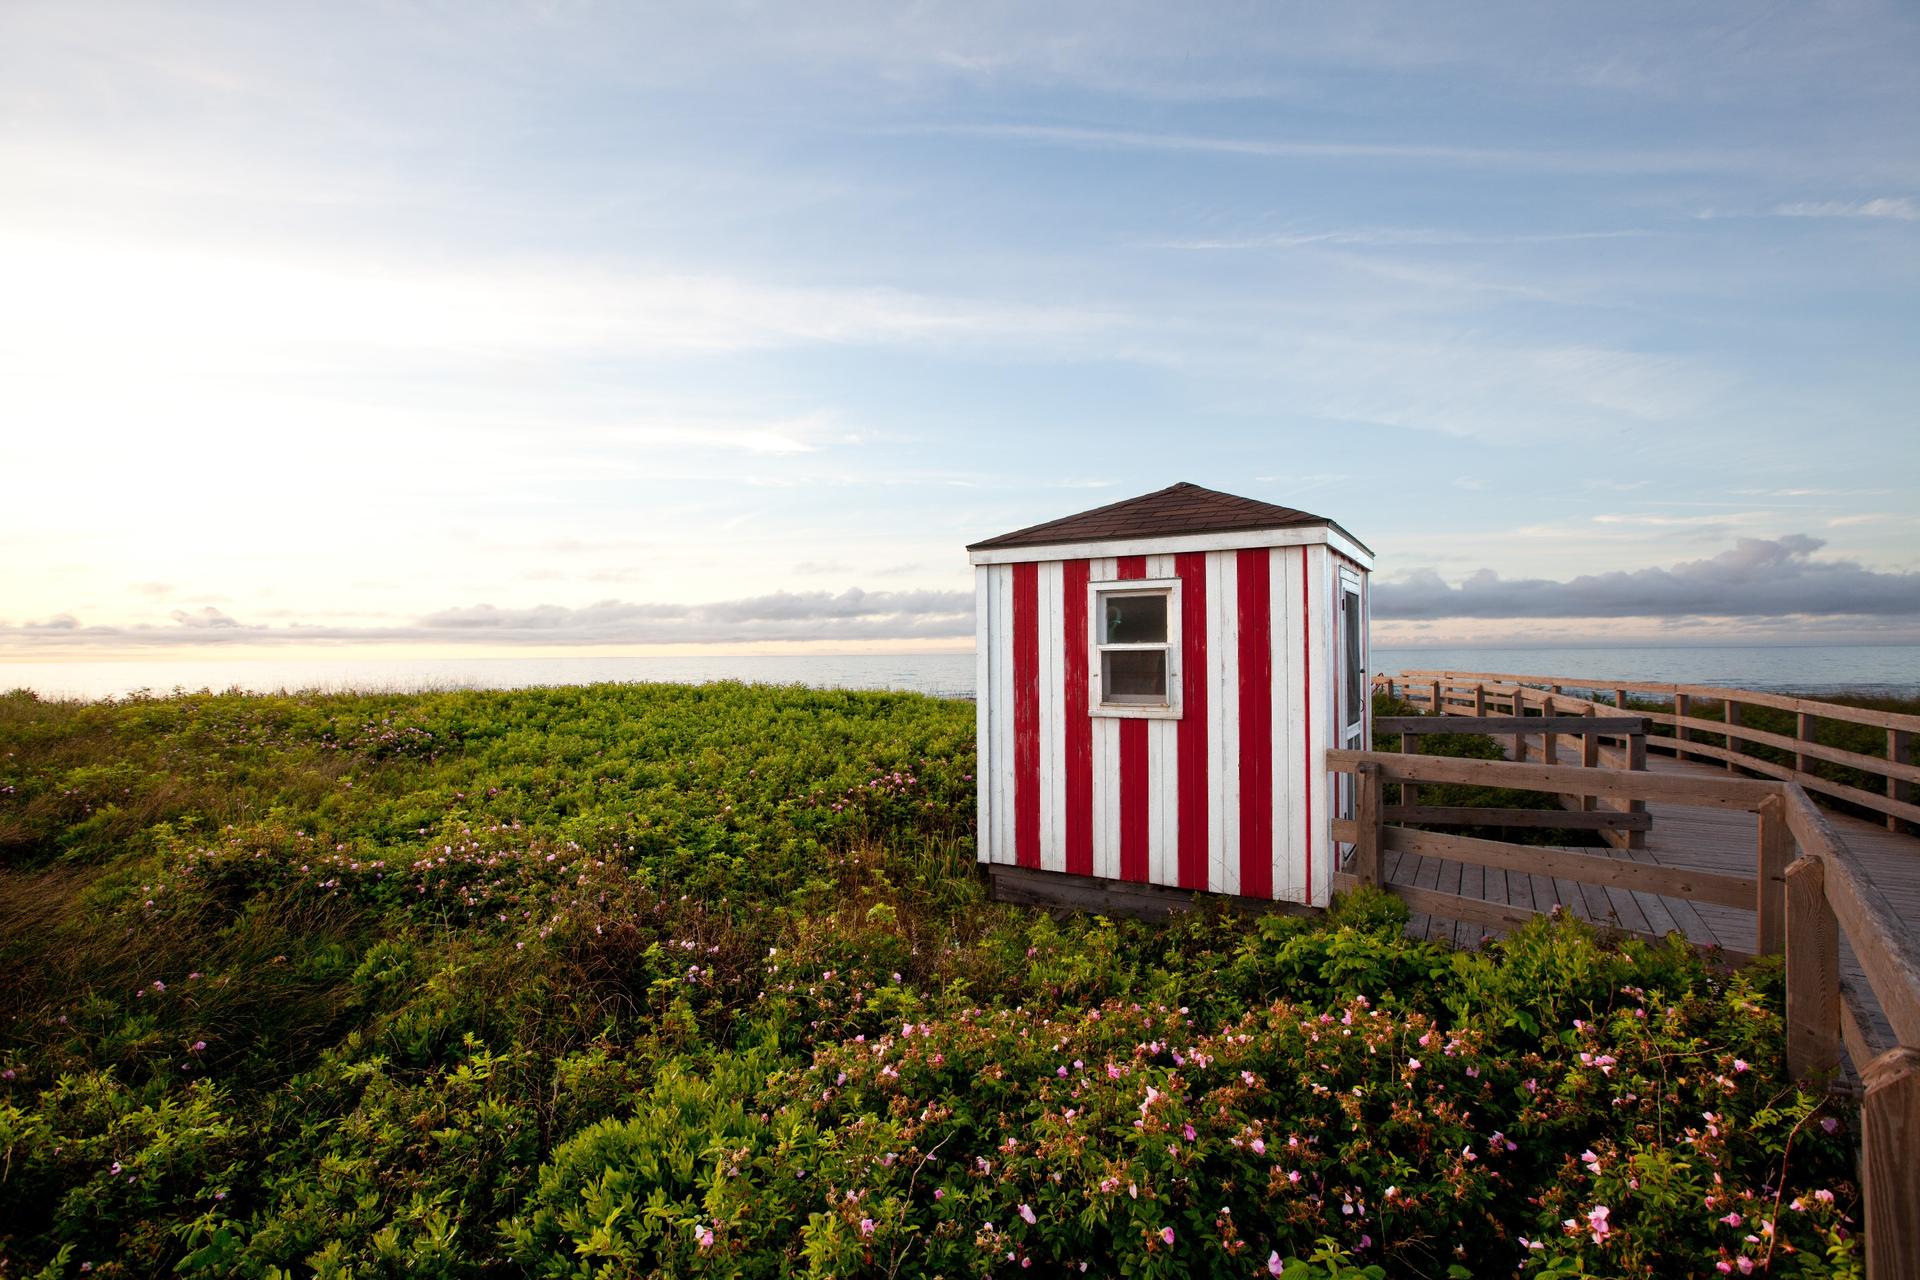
{"x":1721,"y":840}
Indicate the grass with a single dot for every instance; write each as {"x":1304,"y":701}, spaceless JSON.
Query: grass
{"x":667,"y":980}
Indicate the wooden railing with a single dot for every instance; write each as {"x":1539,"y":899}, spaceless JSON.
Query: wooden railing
{"x":1803,"y":905}
{"x":1454,"y":693}
{"x":1623,"y":829}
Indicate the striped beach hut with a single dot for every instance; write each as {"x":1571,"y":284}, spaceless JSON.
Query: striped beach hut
{"x":1158,"y":682}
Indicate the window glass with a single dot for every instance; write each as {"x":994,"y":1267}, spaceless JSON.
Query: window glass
{"x":1133,"y":675}
{"x":1355,"y":689}
{"x":1136,"y":619}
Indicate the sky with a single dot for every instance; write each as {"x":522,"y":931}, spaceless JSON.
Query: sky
{"x":574,"y":327}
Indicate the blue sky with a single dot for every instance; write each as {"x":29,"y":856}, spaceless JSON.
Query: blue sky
{"x":586,"y":327}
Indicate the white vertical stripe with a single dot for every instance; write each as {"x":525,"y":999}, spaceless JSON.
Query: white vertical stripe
{"x":1053,"y":736}
{"x":1163,"y":769}
{"x":1113,"y":799}
{"x":983,"y":763}
{"x":1223,"y":733}
{"x":1163,"y":802}
{"x":1320,"y":622}
{"x":1106,"y":749}
{"x":1003,"y":846}
{"x":1289,"y":793}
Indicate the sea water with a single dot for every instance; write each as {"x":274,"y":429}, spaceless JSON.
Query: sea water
{"x":1885,"y":669}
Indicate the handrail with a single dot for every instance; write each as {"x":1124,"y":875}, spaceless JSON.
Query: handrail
{"x":1759,"y":698}
{"x":1444,"y":691}
{"x":1802,"y":910}
{"x":1624,"y":829}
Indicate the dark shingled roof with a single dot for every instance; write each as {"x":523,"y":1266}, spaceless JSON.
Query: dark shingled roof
{"x":1176,"y":509}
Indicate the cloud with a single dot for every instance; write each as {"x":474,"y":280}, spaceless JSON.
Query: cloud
{"x":853,"y":614}
{"x":1899,"y":208}
{"x":1757,"y":578}
{"x":1509,"y":158}
{"x":1393,"y":237}
{"x":206,"y":617}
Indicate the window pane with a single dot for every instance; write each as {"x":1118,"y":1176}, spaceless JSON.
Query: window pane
{"x":1135,"y":619}
{"x":1355,"y":690}
{"x":1133,"y":676}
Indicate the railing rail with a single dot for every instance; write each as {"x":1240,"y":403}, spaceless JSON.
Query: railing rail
{"x":1453,"y":693}
{"x":1803,"y":906}
{"x":1623,"y":828}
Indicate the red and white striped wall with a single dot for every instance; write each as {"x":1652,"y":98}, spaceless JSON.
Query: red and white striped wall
{"x":1231,"y":797}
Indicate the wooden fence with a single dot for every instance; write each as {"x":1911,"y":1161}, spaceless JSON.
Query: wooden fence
{"x":1623,"y":828}
{"x":1807,"y":891}
{"x":1455,"y":693}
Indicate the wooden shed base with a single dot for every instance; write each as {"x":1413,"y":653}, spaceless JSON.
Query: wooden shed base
{"x":1029,"y":887}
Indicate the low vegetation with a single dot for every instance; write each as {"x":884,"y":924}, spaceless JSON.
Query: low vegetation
{"x":656,"y":980}
{"x":1847,"y":735}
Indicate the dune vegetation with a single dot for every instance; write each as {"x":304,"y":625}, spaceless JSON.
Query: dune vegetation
{"x":634,"y":980}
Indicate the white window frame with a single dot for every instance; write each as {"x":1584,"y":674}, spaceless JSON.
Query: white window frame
{"x":1097,"y":593}
{"x":1353,"y":655}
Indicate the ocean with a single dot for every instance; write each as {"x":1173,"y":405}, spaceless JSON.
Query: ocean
{"x":1884,"y":669}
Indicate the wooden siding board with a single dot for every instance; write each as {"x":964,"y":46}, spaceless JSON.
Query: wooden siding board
{"x":1191,"y":730}
{"x":1026,"y":714}
{"x":1223,"y":740}
{"x":1135,"y":764}
{"x":1288,"y":709}
{"x":983,"y":762}
{"x":1253,"y":626}
{"x":1003,"y":713}
{"x":1106,"y":772}
{"x":1322,"y":709}
{"x":1077,"y":789}
{"x":1053,"y":734}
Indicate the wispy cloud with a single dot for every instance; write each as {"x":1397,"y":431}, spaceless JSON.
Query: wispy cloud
{"x":1756,"y":578}
{"x":1656,"y":521}
{"x":1570,"y":160}
{"x":1899,"y":208}
{"x":1392,"y":237}
{"x":850,"y":615}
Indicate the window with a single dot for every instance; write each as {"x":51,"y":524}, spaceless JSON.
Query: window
{"x":1135,"y":635}
{"x":1356,"y":676}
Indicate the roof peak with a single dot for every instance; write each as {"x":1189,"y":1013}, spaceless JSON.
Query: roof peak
{"x":1180,"y":508}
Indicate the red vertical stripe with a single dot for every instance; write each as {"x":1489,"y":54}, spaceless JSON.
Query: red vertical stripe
{"x":1079,"y":726}
{"x":1306,"y":707}
{"x":1134,"y":775}
{"x":1026,"y":714}
{"x":1192,"y":569}
{"x":1254,"y":574}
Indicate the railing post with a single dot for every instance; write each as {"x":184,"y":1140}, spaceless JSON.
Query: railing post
{"x":1899,"y":751}
{"x":1589,"y":756}
{"x":1682,"y":708}
{"x":1813,"y":973}
{"x":1637,"y":763}
{"x":1620,"y":701}
{"x":1409,"y":746}
{"x":1367,"y":822}
{"x":1437,"y":708}
{"x":1803,"y":730}
{"x":1731,"y":714}
{"x":1770,"y":877}
{"x":1519,"y":712}
{"x":1889,"y":1132}
{"x":1480,"y":700}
